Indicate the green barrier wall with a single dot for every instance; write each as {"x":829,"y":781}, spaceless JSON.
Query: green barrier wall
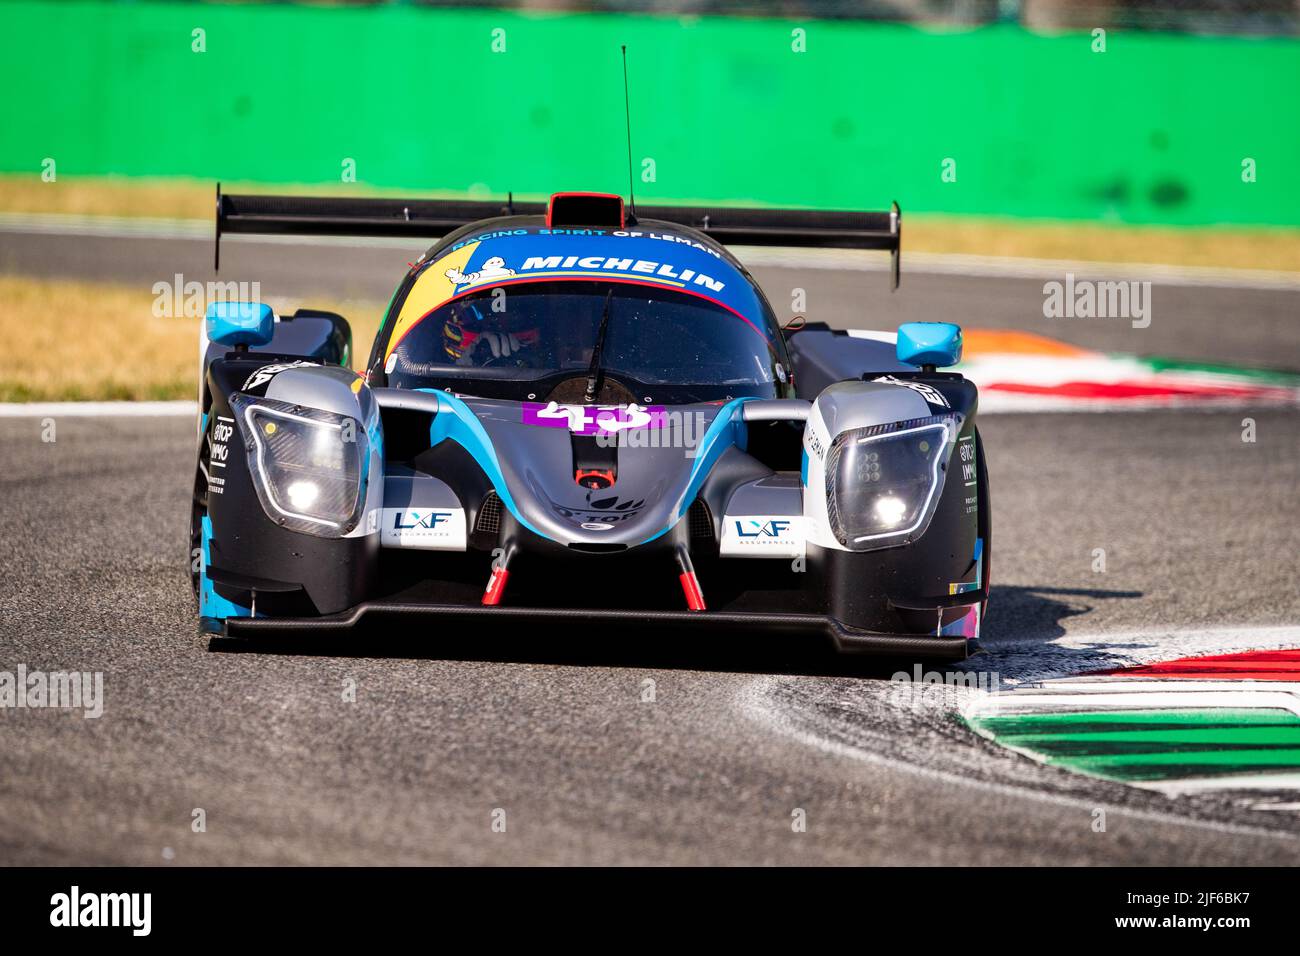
{"x":1153,"y":130}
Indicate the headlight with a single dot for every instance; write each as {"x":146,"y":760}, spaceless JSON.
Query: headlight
{"x":308,"y":465}
{"x":883,"y":482}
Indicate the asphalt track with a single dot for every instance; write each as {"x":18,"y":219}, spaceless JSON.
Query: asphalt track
{"x":1201,"y":531}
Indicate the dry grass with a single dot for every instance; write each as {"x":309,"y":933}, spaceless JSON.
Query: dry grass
{"x":1234,"y":247}
{"x":1218,"y":247}
{"x":159,"y":199}
{"x":81,"y":341}
{"x":148,"y":198}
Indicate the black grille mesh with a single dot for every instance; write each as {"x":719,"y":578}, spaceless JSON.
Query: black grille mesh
{"x":489,"y":516}
{"x":701,"y":521}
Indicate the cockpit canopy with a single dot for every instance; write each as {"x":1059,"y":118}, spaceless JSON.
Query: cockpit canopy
{"x":518,"y":314}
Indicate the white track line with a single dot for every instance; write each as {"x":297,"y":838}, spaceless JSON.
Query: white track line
{"x":1252,"y":781}
{"x":1142,"y":696}
{"x":99,"y":409}
{"x":756,"y":256}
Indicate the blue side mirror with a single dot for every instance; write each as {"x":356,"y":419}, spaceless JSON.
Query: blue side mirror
{"x":929,"y":343}
{"x":240,"y":323}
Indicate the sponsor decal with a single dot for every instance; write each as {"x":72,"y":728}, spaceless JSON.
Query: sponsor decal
{"x":928,"y":392}
{"x":651,"y":269}
{"x":966,"y":455}
{"x":762,"y":536}
{"x":223,"y":429}
{"x":414,"y":520}
{"x":268,"y":372}
{"x":433,"y":529}
{"x":591,"y":233}
{"x":773,"y":528}
{"x":494,"y":270}
{"x":607,"y":512}
{"x":815,"y":446}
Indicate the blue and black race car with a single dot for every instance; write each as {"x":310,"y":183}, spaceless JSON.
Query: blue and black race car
{"x":575,"y":413}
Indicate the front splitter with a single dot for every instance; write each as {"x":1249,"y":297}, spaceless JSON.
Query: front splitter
{"x":844,"y":639}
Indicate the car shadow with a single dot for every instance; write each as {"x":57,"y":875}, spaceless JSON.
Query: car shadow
{"x":1024,"y":617}
{"x":1020,"y":637}
{"x":1035,"y":613}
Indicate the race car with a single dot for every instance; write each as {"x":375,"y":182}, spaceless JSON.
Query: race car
{"x":580,"y":413}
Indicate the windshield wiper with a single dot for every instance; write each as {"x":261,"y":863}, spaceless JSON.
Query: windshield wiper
{"x":593,"y":373}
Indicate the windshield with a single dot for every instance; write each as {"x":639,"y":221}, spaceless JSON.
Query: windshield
{"x":523,"y":341}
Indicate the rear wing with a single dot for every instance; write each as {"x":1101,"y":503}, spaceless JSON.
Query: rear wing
{"x":433,"y":218}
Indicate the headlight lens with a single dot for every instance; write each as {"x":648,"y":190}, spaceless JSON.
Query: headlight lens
{"x":308,"y":465}
{"x":883,"y":482}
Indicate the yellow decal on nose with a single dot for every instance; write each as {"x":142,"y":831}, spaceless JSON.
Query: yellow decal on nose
{"x":432,"y":288}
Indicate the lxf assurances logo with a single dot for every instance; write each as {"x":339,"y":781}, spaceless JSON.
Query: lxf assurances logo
{"x":434,"y":529}
{"x":774,"y":528}
{"x":763,"y":536}
{"x":416,"y":520}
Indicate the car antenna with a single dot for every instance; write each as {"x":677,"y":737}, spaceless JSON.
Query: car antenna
{"x":627,"y":115}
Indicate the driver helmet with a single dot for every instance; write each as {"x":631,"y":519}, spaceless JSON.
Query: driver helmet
{"x":458,"y":337}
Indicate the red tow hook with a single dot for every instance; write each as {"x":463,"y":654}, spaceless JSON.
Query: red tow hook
{"x":690,"y":583}
{"x":496,"y":585}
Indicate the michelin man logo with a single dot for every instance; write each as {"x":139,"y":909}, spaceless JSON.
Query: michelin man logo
{"x":490,"y":271}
